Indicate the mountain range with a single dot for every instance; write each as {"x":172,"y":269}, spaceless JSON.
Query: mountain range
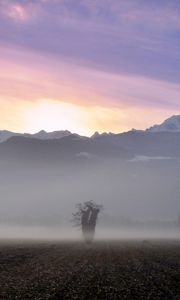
{"x":42,"y":135}
{"x":158,"y":142}
{"x":172,"y":124}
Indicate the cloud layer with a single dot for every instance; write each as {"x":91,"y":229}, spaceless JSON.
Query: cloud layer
{"x":117,"y":56}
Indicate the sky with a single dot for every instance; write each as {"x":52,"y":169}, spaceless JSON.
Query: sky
{"x":88,"y":65}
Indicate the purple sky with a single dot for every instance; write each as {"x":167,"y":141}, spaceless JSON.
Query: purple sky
{"x":114,"y":64}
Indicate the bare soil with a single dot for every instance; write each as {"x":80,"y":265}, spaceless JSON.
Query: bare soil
{"x":102,"y":270}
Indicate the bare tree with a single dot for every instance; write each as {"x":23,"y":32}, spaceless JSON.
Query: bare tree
{"x":86,"y":217}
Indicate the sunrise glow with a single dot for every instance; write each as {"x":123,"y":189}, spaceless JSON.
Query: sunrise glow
{"x":83,"y":72}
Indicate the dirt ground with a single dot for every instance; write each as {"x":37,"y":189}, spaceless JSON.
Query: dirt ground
{"x":103,"y":270}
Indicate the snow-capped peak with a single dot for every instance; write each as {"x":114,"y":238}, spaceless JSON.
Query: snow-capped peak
{"x":171,"y":124}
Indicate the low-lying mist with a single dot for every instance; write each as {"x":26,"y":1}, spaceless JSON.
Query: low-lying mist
{"x":45,"y":233}
{"x":140,"y":198}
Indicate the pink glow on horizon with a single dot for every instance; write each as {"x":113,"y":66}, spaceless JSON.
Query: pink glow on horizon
{"x":91,"y":100}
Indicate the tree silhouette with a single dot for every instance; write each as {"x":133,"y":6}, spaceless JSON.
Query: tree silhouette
{"x":86,"y":217}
